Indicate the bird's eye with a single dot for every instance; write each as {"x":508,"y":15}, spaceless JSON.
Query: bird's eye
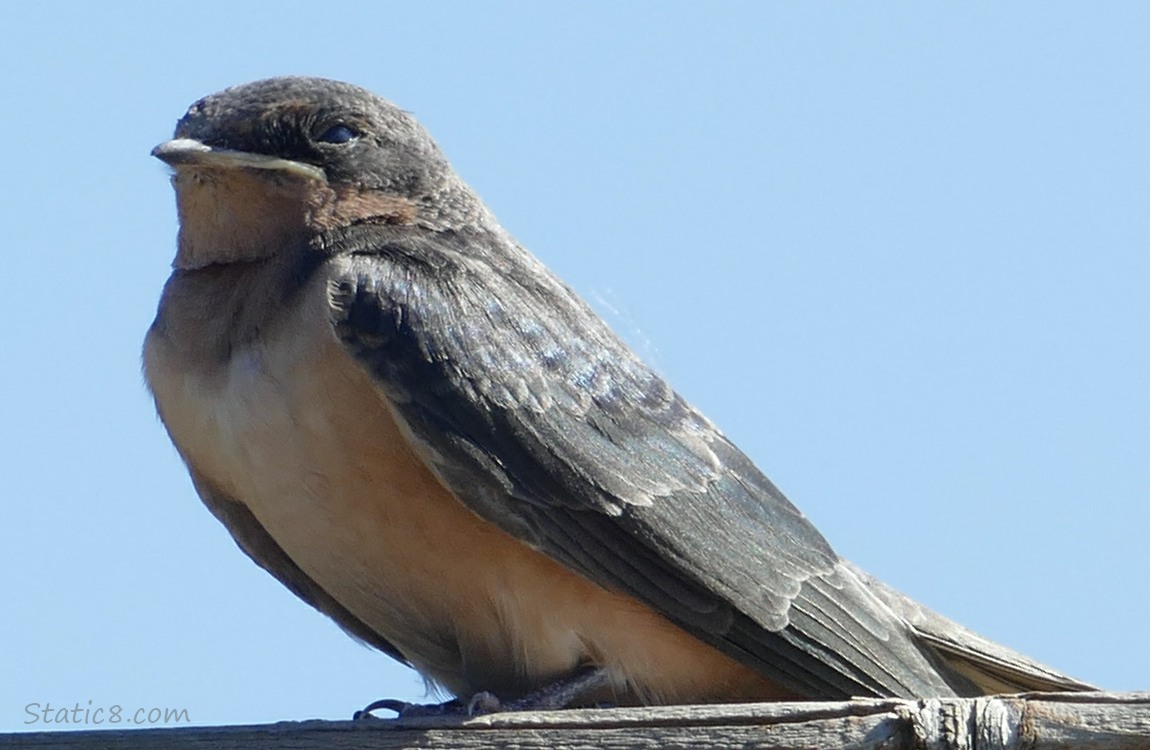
{"x":338,"y":133}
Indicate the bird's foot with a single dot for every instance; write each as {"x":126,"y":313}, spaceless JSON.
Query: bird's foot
{"x":405,"y":710}
{"x":557,"y":695}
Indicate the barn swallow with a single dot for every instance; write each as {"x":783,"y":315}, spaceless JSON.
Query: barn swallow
{"x":403,"y":416}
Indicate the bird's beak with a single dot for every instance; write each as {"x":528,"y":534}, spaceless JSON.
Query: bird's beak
{"x":180,"y":152}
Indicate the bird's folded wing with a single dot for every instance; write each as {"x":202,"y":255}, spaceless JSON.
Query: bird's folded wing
{"x":991,"y":666}
{"x":543,"y":422}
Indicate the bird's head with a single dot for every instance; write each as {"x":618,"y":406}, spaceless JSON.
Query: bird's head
{"x":262,"y":165}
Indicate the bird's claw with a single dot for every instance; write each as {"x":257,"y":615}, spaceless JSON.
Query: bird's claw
{"x":558,"y":695}
{"x":483,"y":702}
{"x":405,"y":710}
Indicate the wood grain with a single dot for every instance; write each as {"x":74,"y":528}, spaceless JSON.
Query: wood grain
{"x":1033,"y":721}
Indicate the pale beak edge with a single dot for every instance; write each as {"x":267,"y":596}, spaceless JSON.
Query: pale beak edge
{"x":180,"y":152}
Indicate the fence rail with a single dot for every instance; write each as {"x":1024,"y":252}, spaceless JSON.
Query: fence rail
{"x":1030,"y":721}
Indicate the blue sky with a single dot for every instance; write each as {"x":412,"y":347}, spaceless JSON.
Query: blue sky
{"x":897,"y":251}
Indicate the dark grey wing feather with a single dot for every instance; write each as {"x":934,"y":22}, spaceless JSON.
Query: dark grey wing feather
{"x":994,"y":668}
{"x":543,"y":422}
{"x":258,"y":544}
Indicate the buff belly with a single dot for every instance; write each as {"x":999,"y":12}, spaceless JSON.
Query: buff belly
{"x":294,"y":429}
